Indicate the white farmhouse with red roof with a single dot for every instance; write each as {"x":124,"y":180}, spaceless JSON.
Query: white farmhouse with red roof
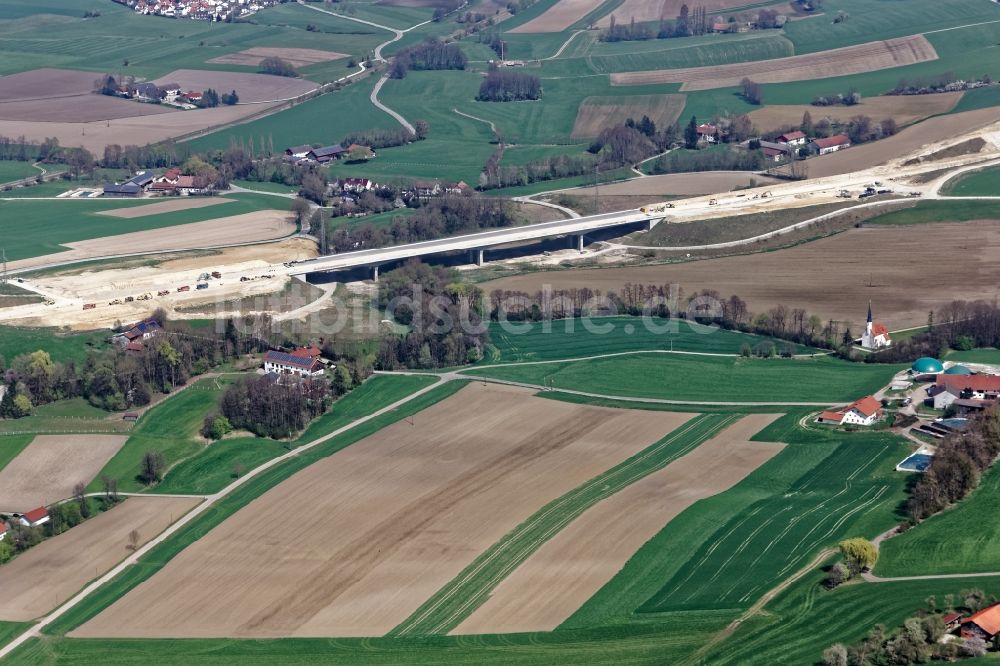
{"x":35,"y":517}
{"x":864,"y":412}
{"x":876,"y":335}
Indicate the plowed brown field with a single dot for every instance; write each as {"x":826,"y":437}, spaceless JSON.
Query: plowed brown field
{"x":168,"y":206}
{"x":835,"y":62}
{"x":354,"y":544}
{"x":51,"y":572}
{"x":560,"y":16}
{"x":654,"y":10}
{"x":297,"y":57}
{"x":574,"y":564}
{"x":894,"y":266}
{"x":597,"y":113}
{"x":48,"y":468}
{"x":904,"y":109}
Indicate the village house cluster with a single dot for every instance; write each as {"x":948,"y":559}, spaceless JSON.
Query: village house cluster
{"x":171,"y":182}
{"x":205,"y":10}
{"x":785,"y":147}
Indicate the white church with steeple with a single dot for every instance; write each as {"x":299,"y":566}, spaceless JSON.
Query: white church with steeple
{"x":876,"y":335}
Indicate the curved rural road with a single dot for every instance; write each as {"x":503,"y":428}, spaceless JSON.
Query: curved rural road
{"x":210,"y":500}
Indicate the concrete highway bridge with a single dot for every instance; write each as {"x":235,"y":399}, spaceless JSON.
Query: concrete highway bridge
{"x":476,"y":244}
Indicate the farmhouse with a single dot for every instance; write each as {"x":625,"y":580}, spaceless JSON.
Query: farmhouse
{"x":137,"y":333}
{"x":876,"y":335}
{"x":326,"y":154}
{"x":707,"y":132}
{"x":302,"y":362}
{"x":776,"y":151}
{"x":3,"y":530}
{"x":146,"y":91}
{"x":35,"y":517}
{"x":865,"y":412}
{"x":795,"y":138}
{"x":969,"y":389}
{"x":355,"y":185}
{"x":132,"y":187}
{"x":298,"y":151}
{"x":985,"y":624}
{"x":830,"y":144}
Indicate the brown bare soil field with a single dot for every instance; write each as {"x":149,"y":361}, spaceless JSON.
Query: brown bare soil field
{"x":904,"y":109}
{"x":46,"y":83}
{"x":298,"y":57}
{"x":53,"y":571}
{"x":596,"y":113}
{"x":560,"y":16}
{"x":168,"y":206}
{"x":907,"y":141}
{"x":828,"y":277}
{"x":260,"y":225}
{"x":252,"y":88}
{"x":48,"y":468}
{"x":80,"y":108}
{"x":653,"y":10}
{"x":383,"y":524}
{"x":410,"y":3}
{"x":709,"y":182}
{"x":533,"y":213}
{"x":835,"y":62}
{"x":134,"y":129}
{"x":574,"y":564}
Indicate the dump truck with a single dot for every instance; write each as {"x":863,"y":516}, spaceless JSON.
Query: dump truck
{"x":184,"y":288}
{"x":216,"y":274}
{"x":713,"y":202}
{"x":163,"y":292}
{"x":656,"y":208}
{"x":129,"y":299}
{"x":89,"y":306}
{"x":117,"y":301}
{"x":202,"y":285}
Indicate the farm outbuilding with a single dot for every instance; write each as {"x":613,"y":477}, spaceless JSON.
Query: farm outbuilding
{"x":35,"y":517}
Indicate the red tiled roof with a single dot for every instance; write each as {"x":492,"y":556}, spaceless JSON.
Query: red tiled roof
{"x":880,"y":329}
{"x":35,"y":515}
{"x":707,"y":129}
{"x":773,"y":152}
{"x":868,"y":405}
{"x":987,"y":619}
{"x":792,"y":136}
{"x":958,"y":383}
{"x":311,"y":351}
{"x":835,"y":140}
{"x":185,"y":181}
{"x":832,"y":416}
{"x":3,"y":527}
{"x":951,"y":617}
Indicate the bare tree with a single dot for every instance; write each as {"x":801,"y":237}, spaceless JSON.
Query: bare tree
{"x":133,"y":540}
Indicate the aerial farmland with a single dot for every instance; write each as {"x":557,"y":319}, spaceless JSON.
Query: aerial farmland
{"x":477,"y":332}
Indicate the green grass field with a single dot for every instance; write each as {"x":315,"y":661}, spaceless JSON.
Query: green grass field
{"x":704,"y":378}
{"x":928,"y":212}
{"x":38,"y":228}
{"x":62,"y":346}
{"x":976,"y":356}
{"x":13,"y":170}
{"x":213,"y":467}
{"x":956,"y":541}
{"x":457,"y":600}
{"x":577,"y":338}
{"x":75,"y":415}
{"x":10,"y":446}
{"x":982,"y":183}
{"x":171,"y":427}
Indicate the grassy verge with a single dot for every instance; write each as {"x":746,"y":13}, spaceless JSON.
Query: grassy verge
{"x":704,"y":378}
{"x":446,"y":609}
{"x":158,"y":557}
{"x":10,"y":630}
{"x":215,"y":466}
{"x":982,"y":183}
{"x":75,"y":415}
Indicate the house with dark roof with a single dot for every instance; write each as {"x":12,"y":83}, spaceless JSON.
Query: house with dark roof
{"x":132,"y":187}
{"x":326,"y":153}
{"x":865,"y":412}
{"x":303,"y":364}
{"x":146,"y":91}
{"x":298,"y":151}
{"x":985,"y":624}
{"x":830,"y":144}
{"x":35,"y":517}
{"x":137,"y":333}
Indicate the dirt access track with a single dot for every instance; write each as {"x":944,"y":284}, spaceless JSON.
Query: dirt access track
{"x":832,"y":277}
{"x":856,"y":59}
{"x":50,"y":573}
{"x":652,"y":10}
{"x":48,"y":468}
{"x":573,"y":565}
{"x":371,"y":532}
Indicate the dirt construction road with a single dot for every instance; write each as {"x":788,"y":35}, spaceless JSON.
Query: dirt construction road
{"x":371,"y":532}
{"x":51,"y":572}
{"x":572,"y":566}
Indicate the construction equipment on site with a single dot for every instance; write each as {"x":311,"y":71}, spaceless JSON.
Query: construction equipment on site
{"x":656,"y":208}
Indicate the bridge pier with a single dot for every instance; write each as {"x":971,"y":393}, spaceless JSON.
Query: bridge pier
{"x":476,"y":257}
{"x":375,"y":273}
{"x":579,"y":243}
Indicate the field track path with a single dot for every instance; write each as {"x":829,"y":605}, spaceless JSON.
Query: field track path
{"x":210,"y":500}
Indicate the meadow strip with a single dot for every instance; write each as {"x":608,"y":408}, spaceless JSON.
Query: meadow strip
{"x":470,"y":589}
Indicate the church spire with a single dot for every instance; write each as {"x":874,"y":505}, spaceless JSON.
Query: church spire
{"x":869,"y":311}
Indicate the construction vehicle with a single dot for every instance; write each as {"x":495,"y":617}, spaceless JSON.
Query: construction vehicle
{"x":49,"y":301}
{"x":916,"y":193}
{"x":844,"y":194}
{"x":216,"y":274}
{"x":244,"y":279}
{"x":202,"y":285}
{"x":765,"y":195}
{"x":203,"y":277}
{"x":129,"y":299}
{"x":713,"y":202}
{"x":89,"y":306}
{"x":117,"y":301}
{"x":184,"y":288}
{"x":163,"y":292}
{"x":144,"y":297}
{"x":656,"y":208}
